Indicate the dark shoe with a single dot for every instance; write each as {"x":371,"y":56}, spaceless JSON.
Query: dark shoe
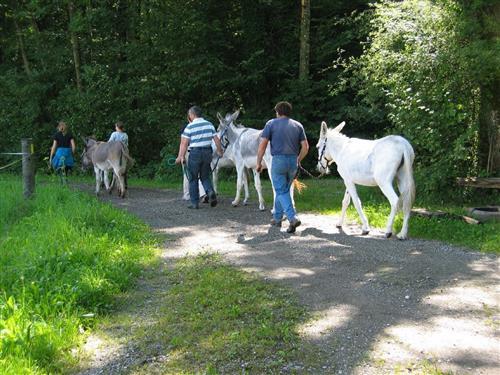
{"x":204,"y":199}
{"x":193,"y":206}
{"x":276,"y":223}
{"x":213,"y":199}
{"x":293,"y":225}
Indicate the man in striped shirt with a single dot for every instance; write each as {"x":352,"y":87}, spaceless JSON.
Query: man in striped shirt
{"x":197,"y":137}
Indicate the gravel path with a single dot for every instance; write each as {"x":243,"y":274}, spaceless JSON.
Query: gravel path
{"x":380,"y":305}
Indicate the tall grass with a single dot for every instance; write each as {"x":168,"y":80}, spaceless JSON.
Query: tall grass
{"x":63,"y":258}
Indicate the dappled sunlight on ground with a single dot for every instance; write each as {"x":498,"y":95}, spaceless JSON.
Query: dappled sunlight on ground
{"x":377,"y":304}
{"x":327,"y":321}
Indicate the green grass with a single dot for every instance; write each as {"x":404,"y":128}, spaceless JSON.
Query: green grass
{"x":63,"y":258}
{"x":218,"y":319}
{"x":324,"y":196}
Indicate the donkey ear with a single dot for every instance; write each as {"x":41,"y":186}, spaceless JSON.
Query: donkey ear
{"x":324,"y":129}
{"x":235,"y":115}
{"x":339,"y":127}
{"x":219,"y":116}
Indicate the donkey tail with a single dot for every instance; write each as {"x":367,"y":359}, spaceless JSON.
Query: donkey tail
{"x":299,"y":185}
{"x":406,"y":182}
{"x":124,"y":153}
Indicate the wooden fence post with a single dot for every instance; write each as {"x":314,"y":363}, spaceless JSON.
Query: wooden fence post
{"x":28,"y":167}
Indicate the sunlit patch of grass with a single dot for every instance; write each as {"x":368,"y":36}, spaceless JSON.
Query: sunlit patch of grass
{"x":424,"y":367}
{"x":218,"y":319}
{"x":64,"y":256}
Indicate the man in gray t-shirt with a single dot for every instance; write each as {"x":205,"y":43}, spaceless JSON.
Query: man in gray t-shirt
{"x":285,"y":136}
{"x":288,"y":147}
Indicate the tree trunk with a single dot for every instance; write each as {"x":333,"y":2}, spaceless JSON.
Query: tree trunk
{"x":305,"y":22}
{"x":76,"y":48}
{"x":489,"y":121}
{"x":90,"y":31}
{"x":20,"y":42}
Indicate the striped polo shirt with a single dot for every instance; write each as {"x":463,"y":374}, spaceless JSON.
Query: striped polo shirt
{"x":200,"y":133}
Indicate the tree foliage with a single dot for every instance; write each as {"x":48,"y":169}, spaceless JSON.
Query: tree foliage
{"x":427,"y":70}
{"x":428,"y":67}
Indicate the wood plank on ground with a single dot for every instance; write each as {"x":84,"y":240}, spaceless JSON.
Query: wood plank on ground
{"x":431,"y":214}
{"x":480,"y":182}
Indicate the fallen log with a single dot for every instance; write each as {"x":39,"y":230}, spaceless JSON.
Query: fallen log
{"x":480,"y":182}
{"x":436,"y":214}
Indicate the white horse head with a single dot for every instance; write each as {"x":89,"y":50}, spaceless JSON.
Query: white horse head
{"x":325,"y":155}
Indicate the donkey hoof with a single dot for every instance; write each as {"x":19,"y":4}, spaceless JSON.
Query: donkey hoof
{"x":401,"y":237}
{"x":338,"y":226}
{"x":365,"y":232}
{"x":235,"y":204}
{"x":388,"y":235}
{"x":262,"y":208}
{"x":245,"y":203}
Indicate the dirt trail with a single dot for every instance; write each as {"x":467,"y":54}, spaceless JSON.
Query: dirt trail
{"x":379,"y":305}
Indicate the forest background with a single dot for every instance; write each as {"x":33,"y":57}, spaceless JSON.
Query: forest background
{"x":427,"y":70}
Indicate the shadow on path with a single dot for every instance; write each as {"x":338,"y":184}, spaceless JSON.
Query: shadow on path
{"x":378,"y":304}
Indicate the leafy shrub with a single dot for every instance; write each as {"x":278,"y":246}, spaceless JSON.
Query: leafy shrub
{"x":422,"y":69}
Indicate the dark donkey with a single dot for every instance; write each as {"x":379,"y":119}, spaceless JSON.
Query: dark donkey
{"x":105,"y":156}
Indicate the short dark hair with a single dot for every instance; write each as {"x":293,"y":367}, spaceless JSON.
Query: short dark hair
{"x":195,"y":110}
{"x":119,"y":125}
{"x":283,"y":109}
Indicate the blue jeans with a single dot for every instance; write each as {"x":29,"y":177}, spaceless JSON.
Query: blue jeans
{"x":198,"y":168}
{"x":283,"y":170}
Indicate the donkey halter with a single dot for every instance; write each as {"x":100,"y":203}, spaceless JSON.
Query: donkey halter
{"x":225,"y":143}
{"x":322,"y":155}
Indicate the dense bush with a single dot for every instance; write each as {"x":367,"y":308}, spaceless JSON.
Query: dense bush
{"x":426,"y":69}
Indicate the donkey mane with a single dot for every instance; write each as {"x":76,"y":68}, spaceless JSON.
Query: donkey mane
{"x":333,"y":133}
{"x":239,"y":126}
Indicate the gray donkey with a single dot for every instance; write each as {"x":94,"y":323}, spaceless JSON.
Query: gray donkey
{"x":244,"y":144}
{"x":105,"y":156}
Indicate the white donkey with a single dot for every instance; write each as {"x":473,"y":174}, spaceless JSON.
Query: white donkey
{"x":226,"y":161}
{"x":370,"y":163}
{"x":245,"y":143}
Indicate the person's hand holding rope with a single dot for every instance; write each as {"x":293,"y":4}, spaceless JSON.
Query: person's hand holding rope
{"x":180,"y":159}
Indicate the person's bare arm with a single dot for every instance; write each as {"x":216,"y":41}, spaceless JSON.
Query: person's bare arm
{"x":304,"y":149}
{"x":218,"y":144}
{"x":181,"y":156}
{"x":261,"y":152}
{"x":73,"y":145}
{"x":52,"y":150}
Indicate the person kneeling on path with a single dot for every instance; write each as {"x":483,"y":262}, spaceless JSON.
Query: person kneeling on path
{"x":288,"y":147}
{"x":198,"y":136}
